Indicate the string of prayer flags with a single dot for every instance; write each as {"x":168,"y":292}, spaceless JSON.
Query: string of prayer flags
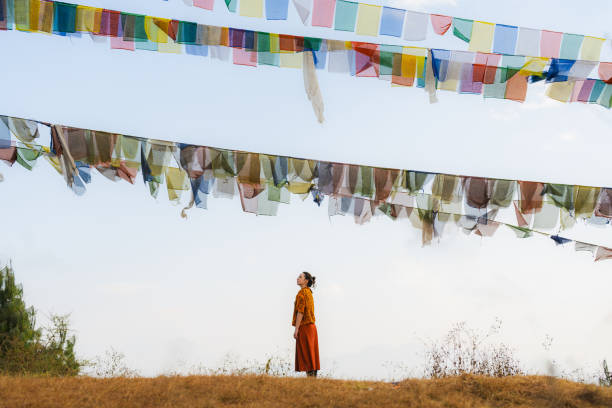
{"x":460,"y":71}
{"x":262,"y":182}
{"x":481,"y":36}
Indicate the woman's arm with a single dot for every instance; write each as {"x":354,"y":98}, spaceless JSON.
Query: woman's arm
{"x":298,"y":320}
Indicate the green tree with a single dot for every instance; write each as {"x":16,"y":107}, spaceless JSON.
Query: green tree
{"x":24,"y":349}
{"x":17,"y":322}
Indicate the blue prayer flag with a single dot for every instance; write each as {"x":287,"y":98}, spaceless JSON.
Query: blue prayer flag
{"x":505,"y":39}
{"x":276,"y":9}
{"x":392,"y":21}
{"x":196,"y":49}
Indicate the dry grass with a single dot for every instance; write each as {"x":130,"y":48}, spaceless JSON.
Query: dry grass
{"x":264,"y":391}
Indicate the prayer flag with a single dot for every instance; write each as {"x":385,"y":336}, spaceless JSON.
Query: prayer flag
{"x":605,"y":99}
{"x":603,"y":253}
{"x":441,"y":23}
{"x":462,"y":28}
{"x":392,"y":21}
{"x":570,"y":46}
{"x":605,"y":72}
{"x":243,"y":57}
{"x":598,"y":87}
{"x":65,"y":17}
{"x":323,"y":13}
{"x":119,"y":44}
{"x":346,"y":14}
{"x":560,"y":91}
{"x":231,"y":5}
{"x":251,"y":8}
{"x":505,"y":39}
{"x":277,"y":9}
{"x":591,"y":48}
{"x":528,"y":42}
{"x":585,"y":91}
{"x":482,"y":36}
{"x":368,"y":19}
{"x":415,"y":26}
{"x":205,"y":4}
{"x":516,"y":88}
{"x":303,"y":8}
{"x":550,"y":44}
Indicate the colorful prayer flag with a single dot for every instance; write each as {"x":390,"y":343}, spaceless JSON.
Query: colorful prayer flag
{"x":550,"y":44}
{"x":505,"y":39}
{"x":528,"y":43}
{"x":368,"y":19}
{"x":392,"y":21}
{"x":346,"y":15}
{"x":591,"y":48}
{"x":251,"y":8}
{"x":570,"y":46}
{"x":462,"y":28}
{"x":323,"y":13}
{"x":441,"y":23}
{"x":482,"y":36}
{"x":415,"y":26}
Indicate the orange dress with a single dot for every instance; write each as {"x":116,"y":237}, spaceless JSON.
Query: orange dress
{"x":307,"y":342}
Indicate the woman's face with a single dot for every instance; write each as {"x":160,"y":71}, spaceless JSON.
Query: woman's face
{"x":301,"y":280}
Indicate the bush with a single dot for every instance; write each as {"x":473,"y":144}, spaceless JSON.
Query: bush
{"x":465,"y":351}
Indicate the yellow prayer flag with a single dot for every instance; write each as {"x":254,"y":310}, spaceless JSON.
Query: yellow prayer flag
{"x":560,"y":91}
{"x":416,"y":51}
{"x":368,"y":19}
{"x":170,"y":47}
{"x":21,"y":15}
{"x":34,"y":13}
{"x":482,"y":36}
{"x":291,"y":60}
{"x":85,"y":19}
{"x":591,"y":48}
{"x":420,"y":67}
{"x":274,"y":43}
{"x":534,"y":66}
{"x":251,"y":8}
{"x":408,"y":65}
{"x":45,"y":22}
{"x":154,"y":33}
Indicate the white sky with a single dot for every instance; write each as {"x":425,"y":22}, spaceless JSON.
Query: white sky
{"x":172,"y":294}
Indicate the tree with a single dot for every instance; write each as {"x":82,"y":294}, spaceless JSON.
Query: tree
{"x":17,"y":322}
{"x":24,"y":349}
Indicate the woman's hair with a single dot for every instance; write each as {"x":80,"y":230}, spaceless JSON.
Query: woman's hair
{"x":311,"y":279}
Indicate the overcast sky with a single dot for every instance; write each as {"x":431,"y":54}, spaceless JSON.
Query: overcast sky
{"x":173,"y":293}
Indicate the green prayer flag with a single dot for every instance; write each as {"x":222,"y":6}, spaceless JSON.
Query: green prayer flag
{"x":346,"y":15}
{"x":312,"y":44}
{"x":22,"y":14}
{"x":597,"y":90}
{"x":231,"y":5}
{"x":462,"y":29}
{"x":521,"y":232}
{"x":187,"y":33}
{"x":570,"y":46}
{"x":64,"y":20}
{"x":367,"y":181}
{"x":562,"y":195}
{"x":386,"y":63}
{"x":605,"y":99}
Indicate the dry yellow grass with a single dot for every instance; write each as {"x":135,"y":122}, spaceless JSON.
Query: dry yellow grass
{"x":262,"y":391}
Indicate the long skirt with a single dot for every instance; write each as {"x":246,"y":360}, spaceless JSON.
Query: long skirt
{"x":307,"y":348}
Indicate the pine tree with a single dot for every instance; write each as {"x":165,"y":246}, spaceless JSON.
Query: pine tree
{"x":17,"y":322}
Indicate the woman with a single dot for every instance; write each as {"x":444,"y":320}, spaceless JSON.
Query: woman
{"x":305,"y":335}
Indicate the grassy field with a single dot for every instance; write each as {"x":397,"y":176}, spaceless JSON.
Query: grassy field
{"x":263,"y":391}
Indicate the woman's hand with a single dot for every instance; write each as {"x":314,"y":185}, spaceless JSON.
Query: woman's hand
{"x":295,"y":333}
